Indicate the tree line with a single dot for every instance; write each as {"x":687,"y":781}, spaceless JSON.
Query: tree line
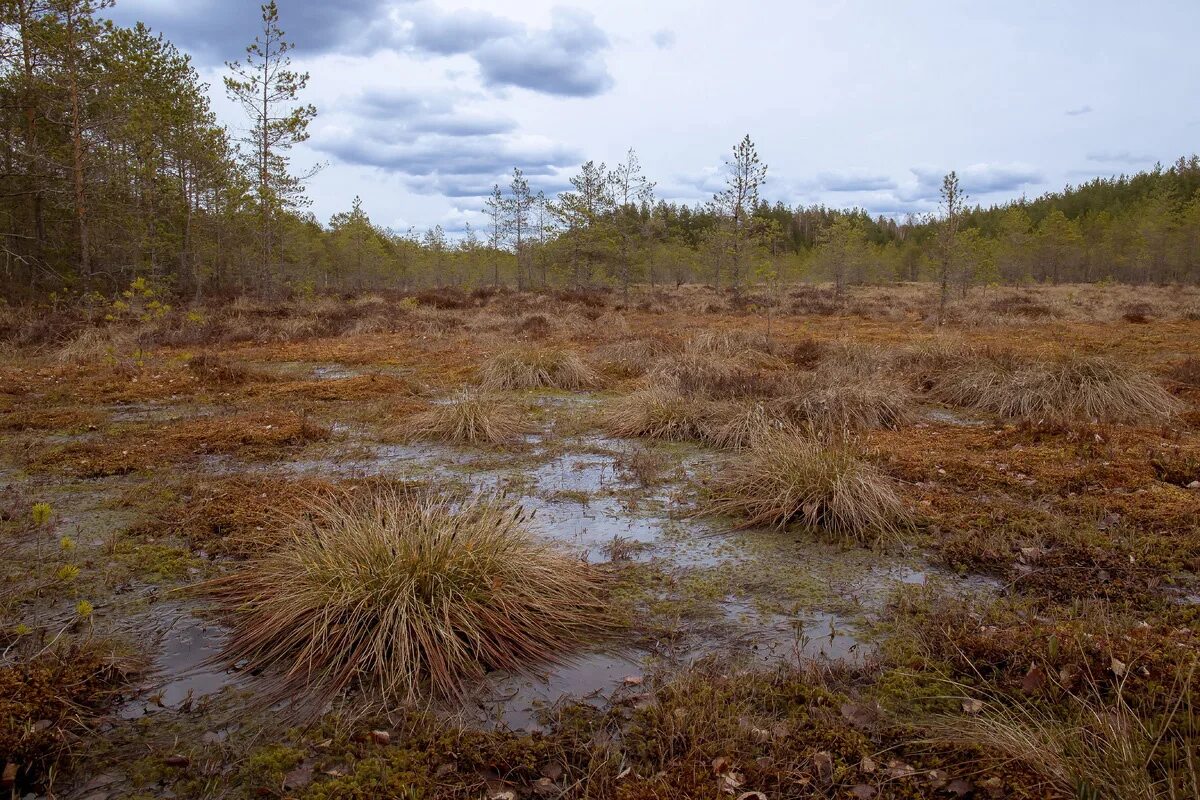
{"x":115,"y":169}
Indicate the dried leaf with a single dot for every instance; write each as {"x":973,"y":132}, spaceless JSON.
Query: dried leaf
{"x":1034,"y":680}
{"x":863,"y":792}
{"x":732,"y":781}
{"x":960,"y":787}
{"x":857,"y":714}
{"x":1118,"y":667}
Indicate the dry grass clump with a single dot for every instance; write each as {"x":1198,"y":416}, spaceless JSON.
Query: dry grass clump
{"x":633,"y":357}
{"x":1071,"y":387}
{"x":214,"y":368}
{"x":657,"y":412}
{"x":723,"y":365}
{"x":784,"y":477}
{"x":469,"y":417}
{"x":534,"y":326}
{"x":537,"y":369}
{"x":832,"y":400}
{"x":806,"y":353}
{"x":96,"y":344}
{"x":406,"y":596}
{"x":1100,"y":748}
{"x":734,"y":426}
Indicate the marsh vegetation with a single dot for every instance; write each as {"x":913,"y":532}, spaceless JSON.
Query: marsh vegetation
{"x":861,"y":555}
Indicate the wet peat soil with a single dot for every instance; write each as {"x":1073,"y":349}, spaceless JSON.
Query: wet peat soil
{"x":1047,"y":564}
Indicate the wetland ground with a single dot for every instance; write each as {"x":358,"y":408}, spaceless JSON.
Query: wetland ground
{"x":1023,"y":624}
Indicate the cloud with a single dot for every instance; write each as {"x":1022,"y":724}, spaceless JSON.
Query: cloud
{"x":438,"y":149}
{"x":409,"y":114}
{"x":442,"y":33}
{"x":216,"y":30}
{"x":1120,"y":157}
{"x":1077,"y":112}
{"x":853,"y":182}
{"x":565,"y":59}
{"x":663,"y":38}
{"x":976,"y":179}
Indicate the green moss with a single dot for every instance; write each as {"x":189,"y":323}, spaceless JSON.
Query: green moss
{"x":266,"y":768}
{"x":155,"y":562}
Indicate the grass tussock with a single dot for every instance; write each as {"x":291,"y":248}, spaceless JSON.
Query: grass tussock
{"x":469,"y":417}
{"x":406,"y":596}
{"x":784,"y":478}
{"x":550,"y":368}
{"x":92,"y":345}
{"x":214,"y":368}
{"x":735,"y":426}
{"x":657,"y":412}
{"x":1070,"y":388}
{"x":1101,"y":748}
{"x":830,"y":401}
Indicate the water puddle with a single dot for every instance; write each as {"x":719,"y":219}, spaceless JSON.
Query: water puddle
{"x":180,"y":676}
{"x":762,"y":595}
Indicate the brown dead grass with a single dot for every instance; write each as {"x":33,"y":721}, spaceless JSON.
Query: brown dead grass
{"x":783,"y":477}
{"x":138,"y":447}
{"x":406,"y":597}
{"x":469,"y":417}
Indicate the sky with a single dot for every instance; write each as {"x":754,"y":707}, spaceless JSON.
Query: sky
{"x":423,"y":105}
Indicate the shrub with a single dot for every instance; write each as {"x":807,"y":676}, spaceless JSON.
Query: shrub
{"x":1071,"y":387}
{"x":406,"y":596}
{"x":537,"y":369}
{"x":469,"y":417}
{"x":49,"y":702}
{"x":783,"y":478}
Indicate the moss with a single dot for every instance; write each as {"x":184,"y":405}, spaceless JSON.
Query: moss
{"x":266,"y":768}
{"x":156,"y":562}
{"x":48,"y":703}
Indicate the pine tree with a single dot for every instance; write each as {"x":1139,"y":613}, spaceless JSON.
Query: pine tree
{"x":266,"y":87}
{"x":519,"y":206}
{"x":496,"y":209}
{"x":745,"y":176}
{"x":953,"y":202}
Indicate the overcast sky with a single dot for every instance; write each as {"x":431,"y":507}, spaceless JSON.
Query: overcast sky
{"x":423,"y":104}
